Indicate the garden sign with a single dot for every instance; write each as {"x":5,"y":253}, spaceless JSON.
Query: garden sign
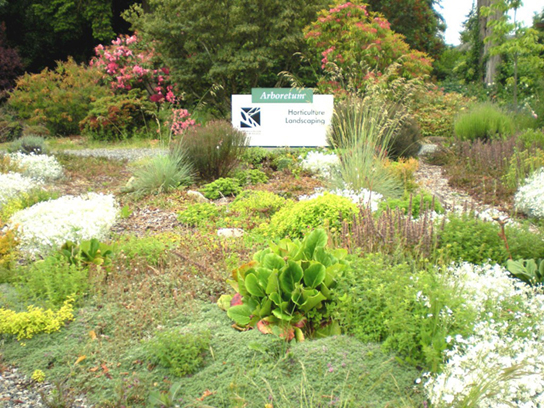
{"x":277,"y":117}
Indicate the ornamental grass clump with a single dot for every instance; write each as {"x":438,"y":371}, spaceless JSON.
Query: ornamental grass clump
{"x":485,"y":121}
{"x":13,"y":184}
{"x":38,"y":166}
{"x":529,"y":198}
{"x":361,"y":133}
{"x":46,"y":226}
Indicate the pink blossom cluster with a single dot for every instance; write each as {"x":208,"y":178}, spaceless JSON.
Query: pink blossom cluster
{"x":128,"y":63}
{"x":181,"y":120}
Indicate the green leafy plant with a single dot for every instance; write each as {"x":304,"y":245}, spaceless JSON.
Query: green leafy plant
{"x":255,"y":203}
{"x":485,"y":121}
{"x":532,"y":137}
{"x":251,"y":177}
{"x":181,"y":352}
{"x":527,"y":270}
{"x":58,"y":98}
{"x":214,"y":149}
{"x":222,"y":187}
{"x":29,"y":144}
{"x":255,"y":156}
{"x":164,"y":399}
{"x":50,"y":281}
{"x":87,"y":252}
{"x":120,"y":117}
{"x":522,"y":164}
{"x":297,"y":219}
{"x":289,"y":285}
{"x":25,"y":200}
{"x":414,"y":204}
{"x":198,"y":215}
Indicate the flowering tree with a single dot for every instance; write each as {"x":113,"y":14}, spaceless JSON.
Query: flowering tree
{"x":362,"y":45}
{"x":130,"y":63}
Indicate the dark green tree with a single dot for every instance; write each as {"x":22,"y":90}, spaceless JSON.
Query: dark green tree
{"x":417,"y":20}
{"x":44,"y":31}
{"x":228,"y":47}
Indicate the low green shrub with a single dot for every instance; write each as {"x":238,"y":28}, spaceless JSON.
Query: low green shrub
{"x":255,"y":156}
{"x":522,"y":164}
{"x":296,"y":220}
{"x":532,"y":138}
{"x":255,"y":203}
{"x":222,"y":187}
{"x":51,"y":281}
{"x":402,"y":308}
{"x":151,"y":248}
{"x":485,"y":121}
{"x":198,"y":215}
{"x":25,"y":200}
{"x":421,"y":201}
{"x":182,"y":353}
{"x":58,"y":98}
{"x":465,"y":238}
{"x":119,"y":117}
{"x":251,"y":177}
{"x":29,"y":144}
{"x":214,"y":149}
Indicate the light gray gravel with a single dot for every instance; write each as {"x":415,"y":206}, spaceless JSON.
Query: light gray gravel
{"x":117,"y":154}
{"x":19,"y":391}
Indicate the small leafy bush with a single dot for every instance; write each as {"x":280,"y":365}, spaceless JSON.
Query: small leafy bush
{"x":87,"y":252}
{"x":254,"y":203}
{"x":8,"y":255}
{"x":163,"y":174}
{"x":290,"y":286}
{"x":182,"y":353}
{"x":255,"y":156}
{"x":435,"y":110}
{"x":8,"y":165}
{"x":522,"y":164}
{"x":326,"y":210}
{"x":25,"y":325}
{"x":400,"y":307}
{"x":532,"y":138}
{"x":29,"y":144}
{"x":417,"y":203}
{"x":485,"y":122}
{"x":198,"y":215}
{"x":476,"y":241}
{"x":251,"y":177}
{"x":404,"y":170}
{"x":406,"y":140}
{"x":120,"y":117}
{"x":214,"y":149}
{"x":222,"y":187}
{"x":152,"y":249}
{"x":25,"y":200}
{"x":58,"y":98}
{"x":10,"y":126}
{"x":51,"y":280}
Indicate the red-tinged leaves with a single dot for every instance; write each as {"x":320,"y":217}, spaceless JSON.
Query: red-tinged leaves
{"x":288,"y":334}
{"x":264,"y":327}
{"x":205,"y":394}
{"x":236,"y":300}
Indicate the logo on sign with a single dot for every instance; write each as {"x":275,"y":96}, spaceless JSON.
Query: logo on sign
{"x":251,"y":117}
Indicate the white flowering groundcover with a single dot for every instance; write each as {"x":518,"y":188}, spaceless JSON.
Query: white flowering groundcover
{"x":46,"y":226}
{"x":529,"y":198}
{"x":502,"y":363}
{"x":363,"y":197}
{"x":38,"y":166}
{"x":13,"y":184}
{"x":320,"y":163}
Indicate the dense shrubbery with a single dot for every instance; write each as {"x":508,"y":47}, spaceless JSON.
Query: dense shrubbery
{"x":59,"y":98}
{"x":485,"y":122}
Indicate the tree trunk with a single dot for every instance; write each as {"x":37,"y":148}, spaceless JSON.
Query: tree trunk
{"x":491,"y":61}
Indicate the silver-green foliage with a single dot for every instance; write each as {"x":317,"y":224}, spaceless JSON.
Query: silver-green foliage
{"x":361,"y":134}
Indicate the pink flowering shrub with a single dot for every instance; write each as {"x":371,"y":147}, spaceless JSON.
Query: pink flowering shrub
{"x":181,"y":121}
{"x":356,"y":43}
{"x":131,"y":63}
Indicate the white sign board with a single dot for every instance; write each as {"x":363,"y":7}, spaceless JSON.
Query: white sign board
{"x":283,"y":123}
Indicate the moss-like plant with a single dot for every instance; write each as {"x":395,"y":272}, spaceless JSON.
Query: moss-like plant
{"x":222,"y":187}
{"x":289,"y":285}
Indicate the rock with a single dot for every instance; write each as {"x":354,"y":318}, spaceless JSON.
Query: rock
{"x":230,"y":232}
{"x":198,"y":197}
{"x":427,"y":149}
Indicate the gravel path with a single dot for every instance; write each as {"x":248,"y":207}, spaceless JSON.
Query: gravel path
{"x":117,"y":154}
